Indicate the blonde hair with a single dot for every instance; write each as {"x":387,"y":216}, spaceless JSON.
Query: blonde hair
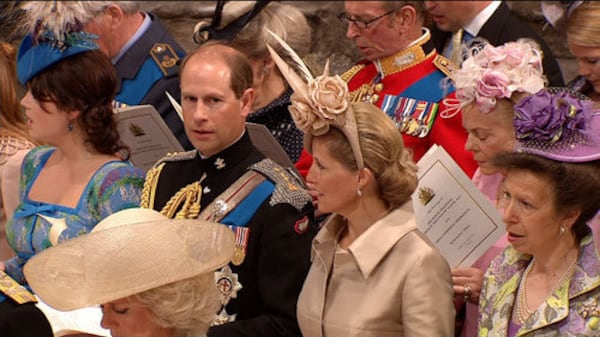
{"x":11,"y":116}
{"x":383,"y":151}
{"x":189,"y":306}
{"x":583,"y":25}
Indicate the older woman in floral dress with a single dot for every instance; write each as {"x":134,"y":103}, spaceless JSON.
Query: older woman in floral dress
{"x":547,"y":281}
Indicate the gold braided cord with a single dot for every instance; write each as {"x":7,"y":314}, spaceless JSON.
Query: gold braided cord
{"x":187,"y":200}
{"x":150,"y":185}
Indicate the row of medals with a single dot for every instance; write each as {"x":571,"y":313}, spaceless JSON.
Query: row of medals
{"x":407,"y":125}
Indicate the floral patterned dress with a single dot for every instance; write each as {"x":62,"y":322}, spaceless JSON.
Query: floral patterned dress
{"x":572,"y":310}
{"x":36,"y":226}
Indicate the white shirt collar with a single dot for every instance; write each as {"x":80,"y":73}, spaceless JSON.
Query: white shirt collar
{"x":480,"y":19}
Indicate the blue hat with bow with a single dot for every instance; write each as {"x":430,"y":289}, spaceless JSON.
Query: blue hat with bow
{"x":55,"y":34}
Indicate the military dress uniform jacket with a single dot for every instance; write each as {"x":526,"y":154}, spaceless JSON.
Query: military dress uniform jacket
{"x":504,"y":26}
{"x":148,"y":69}
{"x":571,"y":310}
{"x":277,"y":251}
{"x":391,"y":281}
{"x":408,"y":87}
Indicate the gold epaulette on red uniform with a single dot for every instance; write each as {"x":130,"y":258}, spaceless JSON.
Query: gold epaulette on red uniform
{"x":444,"y":65}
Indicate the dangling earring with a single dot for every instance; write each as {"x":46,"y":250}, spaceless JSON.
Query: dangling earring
{"x":562,"y":229}
{"x":359,"y":192}
{"x":70,"y":126}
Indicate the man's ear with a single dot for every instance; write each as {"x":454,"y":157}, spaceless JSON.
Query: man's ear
{"x":405,"y":16}
{"x":116,"y":15}
{"x":247,"y":100}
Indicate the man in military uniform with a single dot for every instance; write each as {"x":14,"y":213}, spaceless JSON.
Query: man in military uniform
{"x":145,"y":56}
{"x":226,"y":179}
{"x":403,"y":75}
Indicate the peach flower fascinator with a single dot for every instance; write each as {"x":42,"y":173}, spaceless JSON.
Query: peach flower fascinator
{"x":318,"y":103}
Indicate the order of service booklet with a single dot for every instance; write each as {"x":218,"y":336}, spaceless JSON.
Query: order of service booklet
{"x":146,"y":133}
{"x":452,"y":212}
{"x":149,"y":138}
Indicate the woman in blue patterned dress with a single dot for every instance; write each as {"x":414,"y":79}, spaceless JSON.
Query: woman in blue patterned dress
{"x":82,"y":175}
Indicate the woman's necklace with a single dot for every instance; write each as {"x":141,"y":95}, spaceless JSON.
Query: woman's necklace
{"x":523,"y":311}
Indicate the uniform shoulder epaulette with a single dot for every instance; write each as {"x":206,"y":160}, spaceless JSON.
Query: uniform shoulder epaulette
{"x":177,"y":156}
{"x":444,"y":65}
{"x":348,"y":74}
{"x":166,"y":58}
{"x":288,"y":190}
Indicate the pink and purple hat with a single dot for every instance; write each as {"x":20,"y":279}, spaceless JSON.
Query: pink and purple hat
{"x":558,"y":124}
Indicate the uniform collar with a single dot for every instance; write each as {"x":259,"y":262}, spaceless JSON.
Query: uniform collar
{"x":229,"y":157}
{"x":415,"y":53}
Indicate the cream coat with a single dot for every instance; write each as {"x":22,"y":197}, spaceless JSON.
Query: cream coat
{"x":391,"y":281}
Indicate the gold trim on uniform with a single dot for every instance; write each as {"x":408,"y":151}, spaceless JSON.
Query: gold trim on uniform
{"x":14,"y":290}
{"x":151,"y":181}
{"x":165,"y":57}
{"x":402,"y":60}
{"x":190,"y":196}
{"x":444,"y":65}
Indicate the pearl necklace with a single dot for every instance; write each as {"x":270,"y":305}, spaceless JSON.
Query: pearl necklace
{"x":523,"y":311}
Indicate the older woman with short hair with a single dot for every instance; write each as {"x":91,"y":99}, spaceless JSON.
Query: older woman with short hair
{"x":161,"y":285}
{"x":547,"y":280}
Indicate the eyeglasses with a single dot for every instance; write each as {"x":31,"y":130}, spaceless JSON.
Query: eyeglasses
{"x":361,"y":24}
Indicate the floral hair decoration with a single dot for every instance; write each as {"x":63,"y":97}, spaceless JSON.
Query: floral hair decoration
{"x":54,"y":32}
{"x":318,"y":103}
{"x":558,"y":124}
{"x":491,"y":73}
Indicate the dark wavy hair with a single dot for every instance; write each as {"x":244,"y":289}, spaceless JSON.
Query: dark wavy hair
{"x":85,"y":82}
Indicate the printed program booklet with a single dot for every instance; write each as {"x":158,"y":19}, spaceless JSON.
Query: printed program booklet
{"x":452,"y":212}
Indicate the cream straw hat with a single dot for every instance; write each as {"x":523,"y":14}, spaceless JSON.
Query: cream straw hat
{"x":128,"y":252}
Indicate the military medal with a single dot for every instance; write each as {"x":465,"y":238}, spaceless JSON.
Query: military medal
{"x":227,"y":283}
{"x":241,"y":241}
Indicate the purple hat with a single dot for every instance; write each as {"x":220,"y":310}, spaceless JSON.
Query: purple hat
{"x":558,"y":124}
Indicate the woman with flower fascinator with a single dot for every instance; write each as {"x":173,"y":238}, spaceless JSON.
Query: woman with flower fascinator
{"x":82,"y":173}
{"x":547,"y":281}
{"x":373,"y":272}
{"x":489,"y":83}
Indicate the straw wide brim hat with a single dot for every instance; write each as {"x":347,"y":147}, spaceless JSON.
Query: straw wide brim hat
{"x":127,"y":253}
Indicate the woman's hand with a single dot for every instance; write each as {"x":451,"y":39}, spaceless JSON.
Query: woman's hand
{"x":467,"y":283}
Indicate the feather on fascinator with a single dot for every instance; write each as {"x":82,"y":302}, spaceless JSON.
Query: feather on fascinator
{"x":491,"y":73}
{"x":54,"y":32}
{"x":558,"y":124}
{"x":318,"y":103}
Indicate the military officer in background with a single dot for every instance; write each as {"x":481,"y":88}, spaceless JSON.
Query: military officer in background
{"x":403,"y":75}
{"x":145,"y":55}
{"x":226,"y":179}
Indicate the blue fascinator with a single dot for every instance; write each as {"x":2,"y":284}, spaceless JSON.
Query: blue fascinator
{"x":54,"y":34}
